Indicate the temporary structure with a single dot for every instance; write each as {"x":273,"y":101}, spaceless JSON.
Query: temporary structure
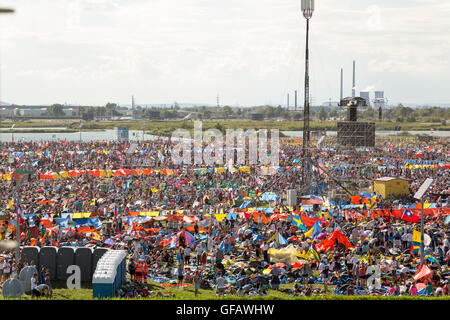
{"x":388,"y":186}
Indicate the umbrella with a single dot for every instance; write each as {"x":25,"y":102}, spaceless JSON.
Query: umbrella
{"x":321,"y":236}
{"x":109,"y":241}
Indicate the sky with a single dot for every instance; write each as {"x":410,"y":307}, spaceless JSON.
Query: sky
{"x":249,"y":52}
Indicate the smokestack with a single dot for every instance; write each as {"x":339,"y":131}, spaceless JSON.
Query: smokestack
{"x":342,"y":85}
{"x":353,"y":86}
{"x":288,"y":101}
{"x":295,"y":100}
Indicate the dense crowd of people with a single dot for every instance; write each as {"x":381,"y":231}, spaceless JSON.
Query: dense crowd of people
{"x":186,"y":225}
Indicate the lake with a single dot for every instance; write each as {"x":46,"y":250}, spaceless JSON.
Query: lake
{"x":137,"y":135}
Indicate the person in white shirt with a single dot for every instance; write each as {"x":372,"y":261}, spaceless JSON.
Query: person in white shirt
{"x":220,"y":284}
{"x":187,"y":254}
{"x":14,"y":271}
{"x":6,"y":269}
{"x":34,"y":283}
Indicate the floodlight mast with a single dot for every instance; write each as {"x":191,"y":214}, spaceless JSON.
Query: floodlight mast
{"x":307,"y":7}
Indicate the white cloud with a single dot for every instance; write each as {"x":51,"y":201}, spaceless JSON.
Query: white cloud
{"x":251,"y":51}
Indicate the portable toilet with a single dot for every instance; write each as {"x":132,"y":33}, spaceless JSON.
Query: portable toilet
{"x":25,"y":278}
{"x":30,"y":254}
{"x":83,"y":259}
{"x":47,"y":258}
{"x":64,"y":258}
{"x":107,"y":278}
{"x":96,"y":255}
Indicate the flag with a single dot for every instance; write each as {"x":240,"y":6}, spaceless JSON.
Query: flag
{"x":317,"y":229}
{"x":314,"y":252}
{"x":298,"y":222}
{"x":277,"y":237}
{"x":409,"y":216}
{"x":96,"y":236}
{"x":432,"y":259}
{"x":416,"y":240}
{"x":309,"y":233}
{"x":416,"y":236}
{"x":11,"y":203}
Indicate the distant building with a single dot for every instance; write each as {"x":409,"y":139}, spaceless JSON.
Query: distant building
{"x":366,"y":96}
{"x":379,"y":100}
{"x":32,"y":112}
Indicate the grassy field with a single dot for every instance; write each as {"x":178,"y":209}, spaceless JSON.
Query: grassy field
{"x":85,"y":293}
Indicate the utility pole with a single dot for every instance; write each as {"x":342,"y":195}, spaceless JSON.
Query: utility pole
{"x":307,"y":8}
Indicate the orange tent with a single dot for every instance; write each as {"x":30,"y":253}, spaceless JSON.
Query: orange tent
{"x":329,"y":242}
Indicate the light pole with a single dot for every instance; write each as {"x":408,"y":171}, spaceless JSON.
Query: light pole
{"x":4,"y":10}
{"x":81,"y":126}
{"x":307,"y":8}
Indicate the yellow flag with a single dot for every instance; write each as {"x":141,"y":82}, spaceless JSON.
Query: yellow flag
{"x":309,"y":233}
{"x":10,"y":204}
{"x":416,"y":236}
{"x":96,"y":236}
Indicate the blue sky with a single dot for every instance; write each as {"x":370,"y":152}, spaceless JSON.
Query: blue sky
{"x":250,"y":52}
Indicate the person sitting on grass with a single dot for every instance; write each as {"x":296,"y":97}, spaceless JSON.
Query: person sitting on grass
{"x":296,"y":289}
{"x":165,"y":294}
{"x":44,"y":290}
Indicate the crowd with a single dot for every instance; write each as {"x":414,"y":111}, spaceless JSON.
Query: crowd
{"x":230,"y":230}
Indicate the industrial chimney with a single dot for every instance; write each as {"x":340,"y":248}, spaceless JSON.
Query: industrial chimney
{"x":354,"y":85}
{"x":295,"y":100}
{"x":342,"y":84}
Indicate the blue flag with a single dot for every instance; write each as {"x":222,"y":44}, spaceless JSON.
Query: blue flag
{"x":317,"y":229}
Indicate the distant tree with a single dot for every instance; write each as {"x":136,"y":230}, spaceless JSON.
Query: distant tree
{"x":227,"y":111}
{"x":333,"y":113}
{"x":402,"y":111}
{"x":369,"y":113}
{"x":55,"y":110}
{"x":322,"y":114}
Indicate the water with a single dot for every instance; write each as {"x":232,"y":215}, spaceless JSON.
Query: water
{"x":105,"y":135}
{"x":299,"y":134}
{"x":35,"y":128}
{"x":137,"y":135}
